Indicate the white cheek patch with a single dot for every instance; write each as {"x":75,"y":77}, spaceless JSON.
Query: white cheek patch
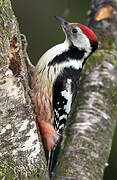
{"x":82,"y":42}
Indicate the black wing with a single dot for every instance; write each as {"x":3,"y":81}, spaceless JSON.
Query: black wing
{"x":64,"y":92}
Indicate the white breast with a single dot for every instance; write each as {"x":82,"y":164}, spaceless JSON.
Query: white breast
{"x":51,"y":53}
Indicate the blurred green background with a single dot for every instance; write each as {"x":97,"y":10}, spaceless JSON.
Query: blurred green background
{"x":36,"y":21}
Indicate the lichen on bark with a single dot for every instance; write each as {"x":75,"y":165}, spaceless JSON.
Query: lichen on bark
{"x":21,"y":153}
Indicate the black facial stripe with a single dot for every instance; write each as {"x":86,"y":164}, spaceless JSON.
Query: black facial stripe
{"x":94,"y":46}
{"x":72,"y":53}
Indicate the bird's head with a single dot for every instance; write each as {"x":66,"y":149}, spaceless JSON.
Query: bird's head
{"x":79,"y":35}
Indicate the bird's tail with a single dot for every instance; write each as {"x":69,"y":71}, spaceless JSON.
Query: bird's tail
{"x":53,"y":157}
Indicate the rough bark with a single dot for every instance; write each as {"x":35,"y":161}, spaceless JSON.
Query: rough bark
{"x":90,"y":129}
{"x":21,"y":153}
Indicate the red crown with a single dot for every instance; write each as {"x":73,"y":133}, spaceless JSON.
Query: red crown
{"x":89,"y":33}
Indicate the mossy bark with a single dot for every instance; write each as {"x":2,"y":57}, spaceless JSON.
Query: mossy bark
{"x":21,"y":153}
{"x":90,"y":129}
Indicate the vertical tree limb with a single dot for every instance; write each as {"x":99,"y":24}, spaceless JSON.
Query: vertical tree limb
{"x":21,"y":153}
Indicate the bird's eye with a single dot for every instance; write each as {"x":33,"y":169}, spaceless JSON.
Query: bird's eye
{"x":74,"y":30}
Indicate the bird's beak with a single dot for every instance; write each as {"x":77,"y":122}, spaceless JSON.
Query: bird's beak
{"x":63,"y":22}
{"x":65,"y":25}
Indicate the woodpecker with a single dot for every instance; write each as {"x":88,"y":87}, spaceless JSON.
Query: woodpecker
{"x":56,"y":77}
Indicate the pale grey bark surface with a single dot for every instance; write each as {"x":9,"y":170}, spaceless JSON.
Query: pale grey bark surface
{"x":21,"y":153}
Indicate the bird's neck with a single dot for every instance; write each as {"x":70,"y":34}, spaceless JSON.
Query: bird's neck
{"x":70,"y":54}
{"x":50,"y":54}
{"x":61,"y":56}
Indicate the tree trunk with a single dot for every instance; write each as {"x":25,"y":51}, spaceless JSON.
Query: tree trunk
{"x":21,"y":153}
